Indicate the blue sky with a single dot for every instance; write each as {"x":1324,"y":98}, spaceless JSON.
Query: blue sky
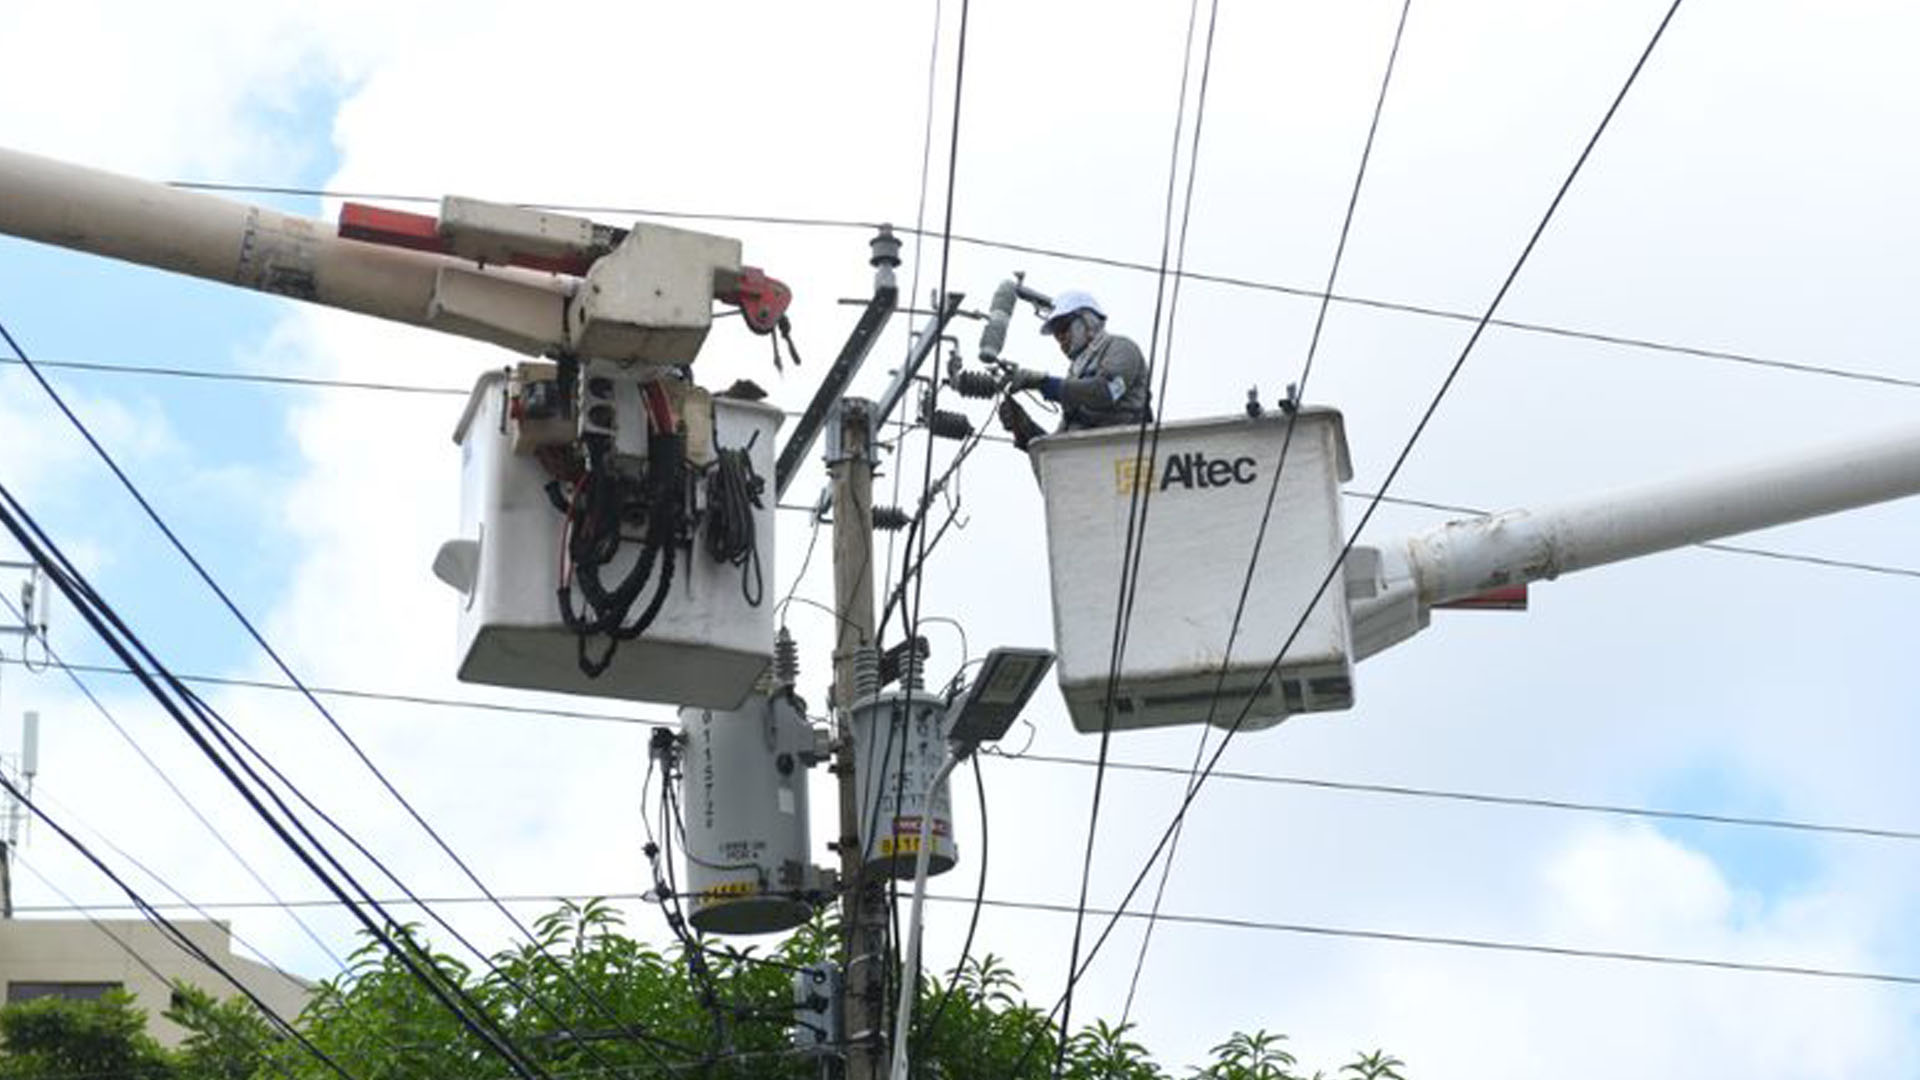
{"x":1747,"y":199}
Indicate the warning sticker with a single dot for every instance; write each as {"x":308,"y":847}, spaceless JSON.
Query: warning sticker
{"x":727,"y":890}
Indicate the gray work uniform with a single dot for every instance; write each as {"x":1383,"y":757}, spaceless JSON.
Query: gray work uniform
{"x":1106,"y":384}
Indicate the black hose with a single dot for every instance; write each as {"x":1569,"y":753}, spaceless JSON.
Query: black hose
{"x":604,"y":504}
{"x":733,"y":494}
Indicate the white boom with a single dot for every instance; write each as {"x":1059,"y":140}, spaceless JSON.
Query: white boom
{"x":251,"y":246}
{"x":642,"y":294}
{"x":1462,"y":559}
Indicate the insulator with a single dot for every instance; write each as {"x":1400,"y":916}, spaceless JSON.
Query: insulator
{"x":786,"y":658}
{"x":866,"y":672}
{"x":886,"y":248}
{"x":949,"y":425}
{"x":905,"y":663}
{"x":890,"y":518}
{"x":980,"y":385}
{"x":999,"y":313}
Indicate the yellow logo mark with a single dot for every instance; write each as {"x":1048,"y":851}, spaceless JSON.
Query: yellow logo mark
{"x":728,"y":890}
{"x":1132,"y":474}
{"x":903,"y":845}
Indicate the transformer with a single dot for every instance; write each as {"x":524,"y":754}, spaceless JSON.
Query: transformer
{"x":899,"y":741}
{"x":743,"y":794}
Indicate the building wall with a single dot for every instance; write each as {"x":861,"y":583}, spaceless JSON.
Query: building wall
{"x":80,"y":951}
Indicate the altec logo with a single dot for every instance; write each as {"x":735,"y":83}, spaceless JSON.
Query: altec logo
{"x":1189,"y":470}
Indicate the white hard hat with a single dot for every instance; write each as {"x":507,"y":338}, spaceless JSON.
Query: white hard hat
{"x":1066,"y":304}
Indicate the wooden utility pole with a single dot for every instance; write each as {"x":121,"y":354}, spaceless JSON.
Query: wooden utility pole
{"x":864,"y":953}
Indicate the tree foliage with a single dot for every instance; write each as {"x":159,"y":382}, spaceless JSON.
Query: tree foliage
{"x":49,"y":1038}
{"x":586,"y":1000}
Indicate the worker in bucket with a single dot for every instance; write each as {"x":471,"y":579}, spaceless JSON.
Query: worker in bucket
{"x":1106,"y":380}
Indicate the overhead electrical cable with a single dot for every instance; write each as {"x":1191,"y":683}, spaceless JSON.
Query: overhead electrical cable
{"x":912,"y":663}
{"x":1297,"y":395}
{"x":919,"y":249}
{"x":179,"y":701}
{"x":146,"y":965}
{"x":1225,"y":922}
{"x":185,"y":709}
{"x":1417,"y":792}
{"x":166,"y":926}
{"x":1146,"y":448}
{"x":1482,"y":944}
{"x":181,"y":796}
{"x":449,"y":391}
{"x":647,"y":1040}
{"x":47,"y":799}
{"x":279,"y":1024}
{"x":577,"y":986}
{"x":1501,"y":800}
{"x":1233,"y":281}
{"x":1334,"y":571}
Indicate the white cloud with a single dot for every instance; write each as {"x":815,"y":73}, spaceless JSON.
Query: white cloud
{"x":1703,"y":221}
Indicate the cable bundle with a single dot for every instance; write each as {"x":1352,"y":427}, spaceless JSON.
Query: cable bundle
{"x":604,"y":502}
{"x":733,"y":494}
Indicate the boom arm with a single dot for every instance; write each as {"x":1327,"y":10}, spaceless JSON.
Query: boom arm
{"x":1464,"y":558}
{"x":642,"y":295}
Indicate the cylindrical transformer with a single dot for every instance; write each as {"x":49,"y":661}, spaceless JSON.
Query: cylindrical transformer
{"x":898,"y":748}
{"x":744,"y":792}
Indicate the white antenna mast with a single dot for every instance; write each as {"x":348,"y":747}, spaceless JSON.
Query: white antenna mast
{"x":29,"y":761}
{"x":29,"y":764}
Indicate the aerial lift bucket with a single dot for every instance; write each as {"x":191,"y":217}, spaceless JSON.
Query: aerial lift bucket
{"x":1202,"y":492}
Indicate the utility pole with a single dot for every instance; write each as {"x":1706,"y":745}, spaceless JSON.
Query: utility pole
{"x":864,"y":921}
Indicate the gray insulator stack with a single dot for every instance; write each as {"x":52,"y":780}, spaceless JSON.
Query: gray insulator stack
{"x":866,"y":672}
{"x":979,"y":385}
{"x":786,"y":658}
{"x":886,"y":249}
{"x":949,"y":425}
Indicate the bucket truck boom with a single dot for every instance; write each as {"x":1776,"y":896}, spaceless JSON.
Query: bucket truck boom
{"x":534,"y":282}
{"x":1462,"y":559}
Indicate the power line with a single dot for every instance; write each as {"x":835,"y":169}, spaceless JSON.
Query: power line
{"x":1393,"y":472}
{"x":178,"y":702}
{"x":451,"y":391}
{"x":1225,"y":922}
{"x":1233,"y":281}
{"x":1147,"y":446}
{"x":205,"y":375}
{"x":364,"y":695}
{"x":122,"y":639}
{"x":1483,"y":944}
{"x":172,"y":932}
{"x":1260,"y":536}
{"x":1408,"y":791}
{"x":1494,"y":799}
{"x":910,"y":979}
{"x":166,"y":780}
